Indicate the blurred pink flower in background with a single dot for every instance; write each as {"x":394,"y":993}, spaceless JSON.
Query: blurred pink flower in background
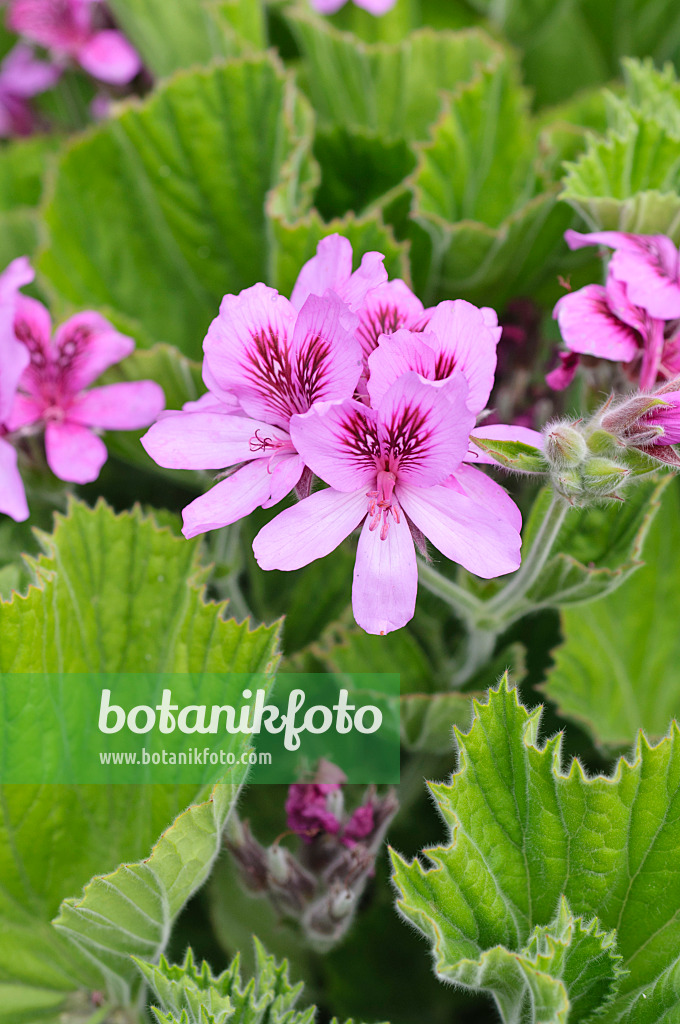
{"x":376,"y":7}
{"x":13,"y":360}
{"x":52,"y":387}
{"x":22,"y":76}
{"x":68,"y":29}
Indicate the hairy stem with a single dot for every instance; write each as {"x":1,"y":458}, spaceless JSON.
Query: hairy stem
{"x":466,"y":605}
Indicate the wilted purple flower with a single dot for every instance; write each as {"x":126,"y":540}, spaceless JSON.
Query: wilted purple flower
{"x":308,"y":812}
{"x":68,"y":29}
{"x":52,"y":389}
{"x":22,"y":76}
{"x":273,"y":362}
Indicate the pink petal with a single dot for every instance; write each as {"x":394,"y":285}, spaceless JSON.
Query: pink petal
{"x":109,"y":56}
{"x":73,"y":452}
{"x":62,"y":27}
{"x":246,"y":352}
{"x":309,"y":530}
{"x":88,"y":344}
{"x":370,"y":274}
{"x":589,"y":326}
{"x":337,"y":440}
{"x":424,"y":426}
{"x":485,"y":491}
{"x":667,"y":417}
{"x":563,"y":374}
{"x":130,"y":405}
{"x":24,"y":412}
{"x":285,"y":472}
{"x":376,"y":7}
{"x":385,"y":310}
{"x":229,"y":500}
{"x":22,"y":74}
{"x":396,"y":355}
{"x":649,"y":266}
{"x":15,"y":275}
{"x":468,"y":344}
{"x":209,"y":440}
{"x":332,"y":265}
{"x":211,"y":403}
{"x":12,"y":493}
{"x":385,"y":578}
{"x":502,"y":432}
{"x":480,"y":539}
{"x":325,"y":357}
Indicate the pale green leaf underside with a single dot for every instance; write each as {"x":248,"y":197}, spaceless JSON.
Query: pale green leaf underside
{"x":523,"y":834}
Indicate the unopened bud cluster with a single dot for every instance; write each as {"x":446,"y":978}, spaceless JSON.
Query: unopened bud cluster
{"x":593,"y":460}
{"x":318,"y":886}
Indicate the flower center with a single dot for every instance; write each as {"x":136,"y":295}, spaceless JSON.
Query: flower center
{"x":382,"y":504}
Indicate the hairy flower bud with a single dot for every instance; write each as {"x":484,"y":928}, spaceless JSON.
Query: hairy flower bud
{"x":602,"y":442}
{"x":565,"y":445}
{"x":601,"y":477}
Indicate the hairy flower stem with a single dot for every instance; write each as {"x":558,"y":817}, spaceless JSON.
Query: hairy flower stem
{"x":485,"y":620}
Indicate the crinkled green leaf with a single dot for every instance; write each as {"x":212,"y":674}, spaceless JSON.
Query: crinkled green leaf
{"x":394,"y":89}
{"x":186,"y":991}
{"x":167,"y":198}
{"x":598,"y":548}
{"x":22,"y":169}
{"x":173,"y":34}
{"x":112,"y":593}
{"x":629,"y":178}
{"x":617,"y":669}
{"x":523,"y":834}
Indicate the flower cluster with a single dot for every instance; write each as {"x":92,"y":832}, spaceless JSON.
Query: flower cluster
{"x":633,"y":319}
{"x":43,"y":389}
{"x":319,"y":886}
{"x":76,"y":31}
{"x":354,"y":382}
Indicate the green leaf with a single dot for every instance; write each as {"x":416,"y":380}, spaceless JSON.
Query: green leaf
{"x":167,"y":198}
{"x":132,"y":910}
{"x":392,"y":89}
{"x":598,"y":548}
{"x":112,"y":593}
{"x":617,"y":669}
{"x":523,"y":834}
{"x":22,"y":168}
{"x":197,"y":995}
{"x":629,"y":179}
{"x":523,"y":458}
{"x":174,"y":34}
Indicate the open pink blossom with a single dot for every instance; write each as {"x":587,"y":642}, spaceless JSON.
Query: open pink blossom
{"x":390,"y":469}
{"x":601,"y":321}
{"x":648,"y":265}
{"x":68,"y":29}
{"x":331,"y":269}
{"x":13,"y":362}
{"x":274,"y":362}
{"x":22,"y":76}
{"x":52,"y":389}
{"x":376,"y":7}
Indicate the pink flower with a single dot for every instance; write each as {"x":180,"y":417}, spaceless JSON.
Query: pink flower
{"x":22,"y":75}
{"x":359,"y":826}
{"x":376,"y":7}
{"x":52,"y":389}
{"x":274,"y":362}
{"x":603,"y":322}
{"x":648,"y":265}
{"x":13,"y":360}
{"x":391,"y":469}
{"x":67,"y":28}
